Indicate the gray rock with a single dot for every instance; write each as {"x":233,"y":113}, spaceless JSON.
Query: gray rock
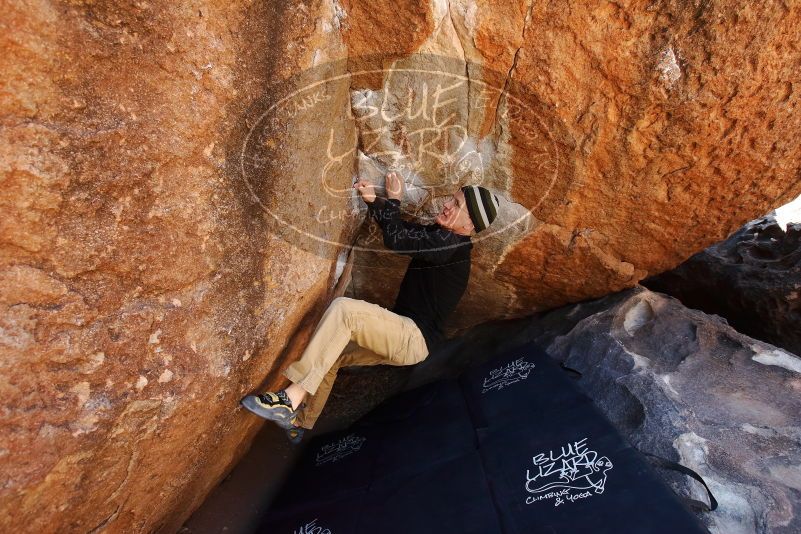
{"x":688,"y":387}
{"x":753,"y":279}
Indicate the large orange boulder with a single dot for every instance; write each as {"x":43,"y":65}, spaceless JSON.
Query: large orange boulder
{"x":141,"y":292}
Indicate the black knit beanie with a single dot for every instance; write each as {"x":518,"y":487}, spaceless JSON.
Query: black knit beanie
{"x":482,"y":206}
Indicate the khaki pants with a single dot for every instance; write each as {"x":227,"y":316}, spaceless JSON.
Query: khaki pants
{"x":352,"y":332}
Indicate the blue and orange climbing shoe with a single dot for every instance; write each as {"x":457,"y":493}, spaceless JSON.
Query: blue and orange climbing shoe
{"x":273,"y":406}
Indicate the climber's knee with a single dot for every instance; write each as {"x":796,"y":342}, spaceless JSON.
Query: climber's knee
{"x":344,"y":308}
{"x":340,"y":305}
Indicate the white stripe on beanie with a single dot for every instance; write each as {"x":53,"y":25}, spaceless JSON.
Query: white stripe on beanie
{"x":484,"y":219}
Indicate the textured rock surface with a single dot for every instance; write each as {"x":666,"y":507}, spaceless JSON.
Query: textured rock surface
{"x":753,"y":279}
{"x":147,"y":283}
{"x":141,"y":294}
{"x":680,"y":384}
{"x":688,"y":387}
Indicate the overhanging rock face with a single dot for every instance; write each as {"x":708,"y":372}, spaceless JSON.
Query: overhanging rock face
{"x":640,"y":136}
{"x":171,"y":233}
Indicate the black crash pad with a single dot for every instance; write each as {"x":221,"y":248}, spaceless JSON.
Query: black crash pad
{"x":513,"y":446}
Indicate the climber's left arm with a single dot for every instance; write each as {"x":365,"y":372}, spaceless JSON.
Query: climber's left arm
{"x":429,"y":243}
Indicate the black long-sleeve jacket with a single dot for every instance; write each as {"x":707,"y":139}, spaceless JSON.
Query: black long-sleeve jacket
{"x":437,"y":276}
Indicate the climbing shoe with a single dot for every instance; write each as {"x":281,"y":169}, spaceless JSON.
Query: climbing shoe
{"x":273,"y":406}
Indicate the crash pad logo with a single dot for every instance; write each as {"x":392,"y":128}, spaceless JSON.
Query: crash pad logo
{"x":312,"y":528}
{"x":573,"y":472}
{"x":507,"y":375}
{"x":339,"y":449}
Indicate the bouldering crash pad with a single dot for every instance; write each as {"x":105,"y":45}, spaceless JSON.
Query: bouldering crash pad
{"x":511,"y":446}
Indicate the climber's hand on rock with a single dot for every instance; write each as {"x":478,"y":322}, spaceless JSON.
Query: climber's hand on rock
{"x":394,"y":184}
{"x":365,"y":189}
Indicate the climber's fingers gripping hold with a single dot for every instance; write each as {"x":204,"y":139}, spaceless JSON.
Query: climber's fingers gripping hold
{"x":394,"y":184}
{"x":365,"y":189}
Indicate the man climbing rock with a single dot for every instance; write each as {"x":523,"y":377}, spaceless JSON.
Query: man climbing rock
{"x":356,"y":332}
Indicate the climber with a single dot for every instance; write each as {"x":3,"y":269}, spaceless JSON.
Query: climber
{"x":356,"y":332}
